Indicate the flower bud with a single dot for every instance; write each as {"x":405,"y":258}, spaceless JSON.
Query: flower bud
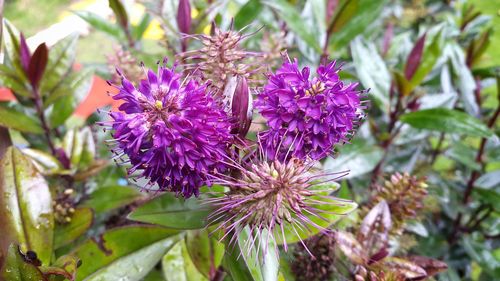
{"x":25,"y":54}
{"x":184,"y":16}
{"x":241,"y":108}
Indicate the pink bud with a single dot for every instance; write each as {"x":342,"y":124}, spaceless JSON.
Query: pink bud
{"x":241,"y":107}
{"x":184,"y":16}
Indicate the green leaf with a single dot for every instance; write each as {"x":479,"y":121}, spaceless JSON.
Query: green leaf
{"x":358,"y":158}
{"x":293,"y":19}
{"x":26,"y":206}
{"x":68,"y":96}
{"x":206,"y":251}
{"x":333,"y":209}
{"x":81,"y":221}
{"x":100,"y":23}
{"x":247,"y":14}
{"x":343,"y":14}
{"x":372,"y":71}
{"x":61,"y":59}
{"x":16,"y":269}
{"x":10,"y":79}
{"x":235,"y":265}
{"x":108,"y":198}
{"x":120,"y":12}
{"x":124,"y":252}
{"x":138,"y":31}
{"x":260,"y":255}
{"x":488,"y":180}
{"x":13,"y":119}
{"x":178,"y":266}
{"x":447,"y":121}
{"x":12,"y":49}
{"x":174,"y":212}
{"x":79,"y":146}
{"x":367,"y":11}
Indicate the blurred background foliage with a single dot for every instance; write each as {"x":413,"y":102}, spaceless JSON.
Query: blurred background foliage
{"x":432,"y":67}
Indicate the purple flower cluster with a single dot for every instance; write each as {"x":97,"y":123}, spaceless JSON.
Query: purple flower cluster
{"x":307,"y":117}
{"x":172,"y":131}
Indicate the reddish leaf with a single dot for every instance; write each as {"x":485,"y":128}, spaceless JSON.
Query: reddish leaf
{"x":415,"y":57}
{"x":431,"y":266}
{"x":351,"y":248}
{"x":25,"y":53}
{"x":374,"y":230}
{"x":37,"y":65}
{"x":388,"y":34}
{"x":406,"y":268}
{"x":380,"y":255}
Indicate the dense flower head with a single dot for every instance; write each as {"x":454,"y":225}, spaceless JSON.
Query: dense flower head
{"x":171,"y":130}
{"x":307,"y":117}
{"x":272,"y":197}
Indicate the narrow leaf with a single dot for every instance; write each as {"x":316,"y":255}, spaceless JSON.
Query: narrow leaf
{"x":81,"y":221}
{"x":415,"y":57}
{"x":37,"y":65}
{"x":247,"y":14}
{"x":119,"y":11}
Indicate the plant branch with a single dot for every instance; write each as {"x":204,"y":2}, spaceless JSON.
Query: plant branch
{"x":41,"y":116}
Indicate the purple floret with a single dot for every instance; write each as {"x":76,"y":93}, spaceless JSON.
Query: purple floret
{"x":171,"y":130}
{"x":307,"y":117}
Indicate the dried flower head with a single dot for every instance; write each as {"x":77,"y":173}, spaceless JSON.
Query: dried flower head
{"x":128,"y":65}
{"x":405,"y":195}
{"x":273,"y":197}
{"x":221,"y":58}
{"x":308,"y":115}
{"x":171,"y":130}
{"x":321,"y":265}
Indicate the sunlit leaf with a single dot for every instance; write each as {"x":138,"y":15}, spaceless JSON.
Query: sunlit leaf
{"x":65,"y":267}
{"x":247,"y":13}
{"x":206,"y":251}
{"x":126,"y":252}
{"x":178,"y":266}
{"x":16,"y":269}
{"x":26,"y":206}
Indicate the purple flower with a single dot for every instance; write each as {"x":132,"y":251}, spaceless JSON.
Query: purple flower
{"x":172,"y":131}
{"x":307,"y":117}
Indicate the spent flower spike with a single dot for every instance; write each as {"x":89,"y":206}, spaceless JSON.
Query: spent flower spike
{"x":308,"y":115}
{"x":171,"y":131}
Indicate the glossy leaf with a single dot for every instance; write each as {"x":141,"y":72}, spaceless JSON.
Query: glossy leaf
{"x":174,"y":212}
{"x":372,"y":71}
{"x":247,"y":14}
{"x":235,"y":265}
{"x":81,"y":221}
{"x":292,"y":17}
{"x":178,"y":266}
{"x":334,"y":209}
{"x":107,"y":198}
{"x":488,"y":180}
{"x":446,"y":120}
{"x":260,"y":255}
{"x":127,"y":251}
{"x":206,"y":251}
{"x":16,"y":269}
{"x":13,"y":119}
{"x":26,"y":205}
